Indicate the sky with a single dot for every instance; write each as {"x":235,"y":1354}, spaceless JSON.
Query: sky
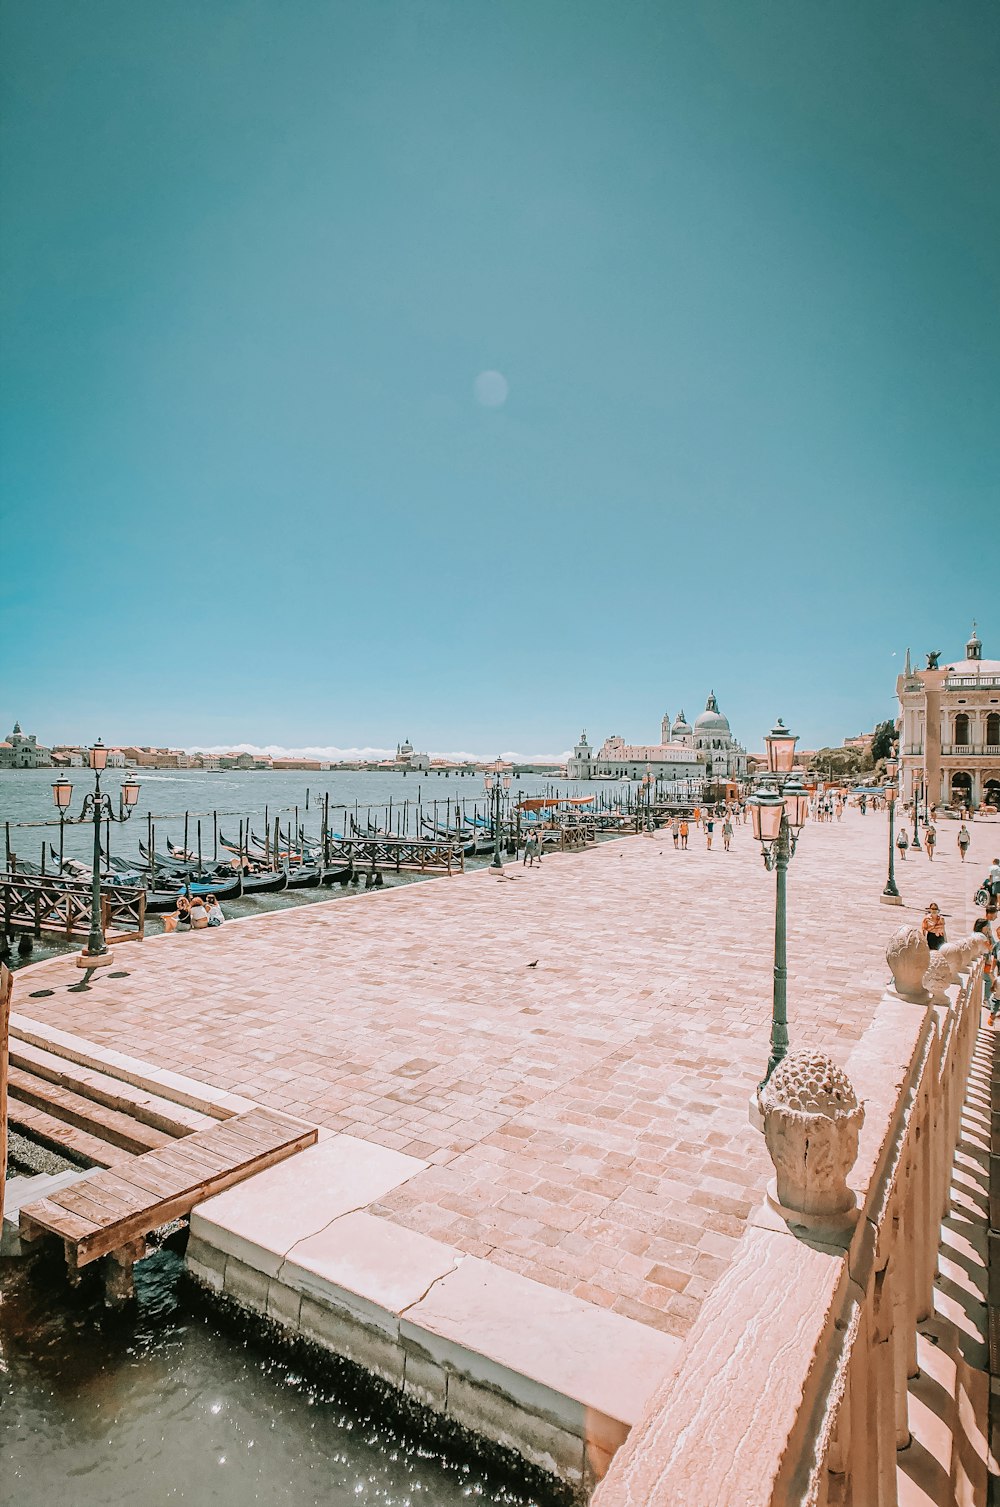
{"x":476,"y":372}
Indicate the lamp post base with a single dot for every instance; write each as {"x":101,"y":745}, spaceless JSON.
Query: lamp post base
{"x":890,"y":899}
{"x":92,"y":960}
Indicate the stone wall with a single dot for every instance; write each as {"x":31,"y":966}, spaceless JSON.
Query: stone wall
{"x":794,"y":1385}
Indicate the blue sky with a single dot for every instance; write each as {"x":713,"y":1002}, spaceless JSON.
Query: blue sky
{"x":736,"y":263}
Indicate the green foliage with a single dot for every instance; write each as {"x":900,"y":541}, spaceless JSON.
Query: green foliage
{"x":885,"y":736}
{"x":841,"y":763}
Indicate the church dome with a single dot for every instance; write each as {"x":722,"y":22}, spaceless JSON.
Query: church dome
{"x":711,"y":720}
{"x":680,"y":726}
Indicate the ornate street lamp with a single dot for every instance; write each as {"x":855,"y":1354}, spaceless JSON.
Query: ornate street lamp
{"x":97,"y":807}
{"x":496,"y":785}
{"x":915,"y":843}
{"x":778,"y":812}
{"x":890,"y":895}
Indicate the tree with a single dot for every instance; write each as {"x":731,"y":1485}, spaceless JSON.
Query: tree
{"x":884,"y":738}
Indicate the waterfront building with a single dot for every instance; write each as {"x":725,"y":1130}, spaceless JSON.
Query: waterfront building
{"x":950,"y":728}
{"x":23,"y":751}
{"x":683,"y":752}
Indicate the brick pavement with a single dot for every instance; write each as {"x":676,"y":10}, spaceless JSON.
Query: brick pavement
{"x":586,"y":1117}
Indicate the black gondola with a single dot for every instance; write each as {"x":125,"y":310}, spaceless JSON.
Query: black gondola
{"x":303,"y":878}
{"x":265,"y":884}
{"x":342,"y":877}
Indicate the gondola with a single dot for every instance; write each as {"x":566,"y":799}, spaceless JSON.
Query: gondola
{"x":303,"y":878}
{"x":158,"y":901}
{"x":269,"y":883}
{"x":342,"y":877}
{"x":469,"y":840}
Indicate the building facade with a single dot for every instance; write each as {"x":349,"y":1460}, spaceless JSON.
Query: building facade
{"x":683,"y":752}
{"x":23,"y":751}
{"x":949,"y":740}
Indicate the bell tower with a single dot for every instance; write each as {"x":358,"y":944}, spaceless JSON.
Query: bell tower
{"x":974,"y":648}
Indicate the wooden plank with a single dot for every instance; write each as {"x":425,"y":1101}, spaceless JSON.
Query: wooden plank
{"x":102,"y":1241}
{"x":46,"y":1215}
{"x":165,"y":1184}
{"x":151,"y":1109}
{"x":62,"y":1137}
{"x":63,"y":1104}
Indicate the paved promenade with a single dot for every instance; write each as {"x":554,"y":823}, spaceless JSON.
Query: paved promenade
{"x":570,"y":1048}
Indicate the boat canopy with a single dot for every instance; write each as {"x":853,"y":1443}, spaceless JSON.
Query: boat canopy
{"x":545,"y":802}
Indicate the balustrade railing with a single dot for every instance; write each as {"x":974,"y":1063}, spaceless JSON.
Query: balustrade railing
{"x":794,"y":1388}
{"x":53,"y":905}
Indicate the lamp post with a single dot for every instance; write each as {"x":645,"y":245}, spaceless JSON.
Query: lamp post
{"x":778,"y":813}
{"x":97,"y":807}
{"x":890,"y":895}
{"x":915,"y":844}
{"x":496,"y":785}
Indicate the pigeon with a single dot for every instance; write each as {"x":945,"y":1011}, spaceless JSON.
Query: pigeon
{"x":534,"y":964}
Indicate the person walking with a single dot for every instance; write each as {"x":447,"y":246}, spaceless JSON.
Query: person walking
{"x":530,"y":850}
{"x":709,"y":830}
{"x":930,"y":841}
{"x":684,"y":833}
{"x":727,"y":832}
{"x":675,"y":829}
{"x":902,"y":843}
{"x":993,"y":878}
{"x":963,"y":841}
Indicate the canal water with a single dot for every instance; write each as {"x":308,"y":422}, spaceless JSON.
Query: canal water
{"x":163,"y":1405}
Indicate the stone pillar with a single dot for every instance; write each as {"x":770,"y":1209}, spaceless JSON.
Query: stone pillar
{"x":909,"y":956}
{"x":812,"y":1120}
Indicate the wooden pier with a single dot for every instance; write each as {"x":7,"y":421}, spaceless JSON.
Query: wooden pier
{"x":50,"y":905}
{"x":415,"y":855}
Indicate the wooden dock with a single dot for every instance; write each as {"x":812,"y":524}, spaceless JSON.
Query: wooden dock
{"x":416,"y":855}
{"x":112,"y":1213}
{"x":49,"y":904}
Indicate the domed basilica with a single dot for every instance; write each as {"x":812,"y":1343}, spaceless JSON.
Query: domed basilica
{"x":683,"y":752}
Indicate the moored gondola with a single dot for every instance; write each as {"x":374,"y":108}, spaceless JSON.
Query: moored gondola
{"x":270,"y":883}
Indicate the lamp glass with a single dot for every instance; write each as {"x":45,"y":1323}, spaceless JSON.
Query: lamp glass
{"x":766,"y":811}
{"x":889,"y":791}
{"x":506,"y":782}
{"x":891,"y":768}
{"x":796,"y":806}
{"x":486,"y":782}
{"x":62,"y":794}
{"x":780,"y":745}
{"x":130,"y":792}
{"x":98,"y":756}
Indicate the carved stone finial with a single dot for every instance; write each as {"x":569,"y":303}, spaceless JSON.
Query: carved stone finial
{"x":909,"y":956}
{"x":974,"y":946}
{"x":812,"y":1120}
{"x":939,"y":977}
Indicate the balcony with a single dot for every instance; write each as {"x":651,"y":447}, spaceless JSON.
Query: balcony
{"x":969,"y":750}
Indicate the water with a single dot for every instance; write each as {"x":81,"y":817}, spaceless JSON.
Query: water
{"x":26,"y":797}
{"x":158,"y":1406}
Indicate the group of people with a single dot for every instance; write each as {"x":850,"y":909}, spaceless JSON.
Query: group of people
{"x":726,"y":818}
{"x":194,"y":913}
{"x":933,"y":926}
{"x":930,"y":841}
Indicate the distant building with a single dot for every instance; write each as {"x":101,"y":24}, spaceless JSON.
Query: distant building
{"x":23,"y":751}
{"x":299,"y":764}
{"x":683,"y":752}
{"x":413,"y":763}
{"x":950,"y":738}
{"x":116,"y":758}
{"x":862,"y":742}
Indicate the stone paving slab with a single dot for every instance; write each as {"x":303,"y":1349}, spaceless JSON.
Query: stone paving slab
{"x":568,"y":1050}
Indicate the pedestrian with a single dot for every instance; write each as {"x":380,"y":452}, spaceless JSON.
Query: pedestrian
{"x":709,"y":830}
{"x":684,"y":833}
{"x":727,"y":832}
{"x":963,"y":841}
{"x":675,"y":829}
{"x":933,"y":927}
{"x":990,"y":999}
{"x":863,"y":803}
{"x":530,"y":850}
{"x":697,"y":816}
{"x":930,"y":841}
{"x":902,"y":843}
{"x":993,"y":878}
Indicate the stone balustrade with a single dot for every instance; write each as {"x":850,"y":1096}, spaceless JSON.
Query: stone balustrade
{"x":794,"y":1385}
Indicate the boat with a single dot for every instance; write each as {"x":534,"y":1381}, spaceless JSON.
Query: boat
{"x":342,"y":877}
{"x":304,"y":877}
{"x":271,"y":882}
{"x":160,"y":900}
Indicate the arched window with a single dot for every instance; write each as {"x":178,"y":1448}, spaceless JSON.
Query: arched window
{"x":961,"y":730}
{"x":993,"y":729}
